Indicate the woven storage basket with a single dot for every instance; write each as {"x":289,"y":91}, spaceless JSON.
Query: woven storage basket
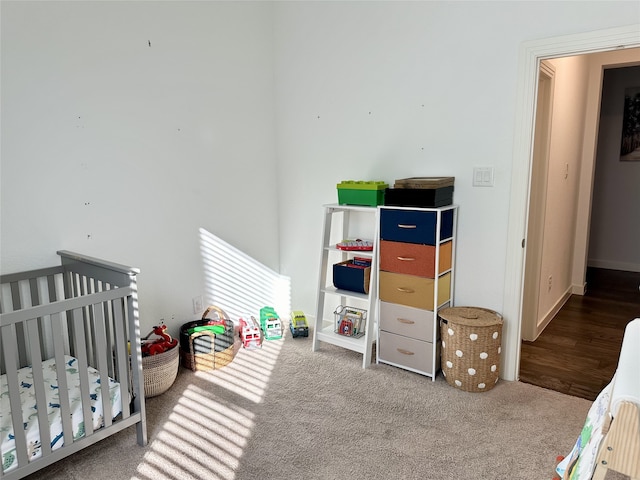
{"x":205,"y":350}
{"x":160,"y":371}
{"x":471,"y":346}
{"x":199,"y":360}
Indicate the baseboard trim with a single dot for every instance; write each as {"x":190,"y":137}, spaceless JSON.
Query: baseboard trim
{"x":546,"y":319}
{"x":579,"y":289}
{"x":611,"y":265}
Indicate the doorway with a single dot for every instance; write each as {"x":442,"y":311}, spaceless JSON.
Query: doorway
{"x":574,"y":350}
{"x":532,"y":53}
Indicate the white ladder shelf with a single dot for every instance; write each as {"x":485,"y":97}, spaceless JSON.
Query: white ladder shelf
{"x":334,"y":231}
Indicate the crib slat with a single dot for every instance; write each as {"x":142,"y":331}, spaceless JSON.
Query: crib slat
{"x":15,"y":295}
{"x":9,"y":341}
{"x":101,"y":354}
{"x":38,"y":385}
{"x":43,"y":323}
{"x":107,"y":308}
{"x":136,"y":366}
{"x":61,"y":372}
{"x":90,"y":332}
{"x":33,"y":288}
{"x":18,"y":304}
{"x":81,"y":357}
{"x":122,"y":356}
{"x":51,"y":284}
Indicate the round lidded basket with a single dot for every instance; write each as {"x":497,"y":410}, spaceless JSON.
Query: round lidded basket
{"x":160,"y":371}
{"x":471,"y":345}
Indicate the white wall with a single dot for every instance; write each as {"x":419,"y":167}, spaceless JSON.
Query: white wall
{"x":186,"y":131}
{"x":385,"y":90}
{"x":615,"y":225}
{"x":127,"y":127}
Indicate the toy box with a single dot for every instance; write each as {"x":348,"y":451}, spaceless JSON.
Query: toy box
{"x":420,"y":192}
{"x":352,"y":192}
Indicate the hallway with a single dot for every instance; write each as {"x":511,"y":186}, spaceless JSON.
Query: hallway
{"x":577,"y":353}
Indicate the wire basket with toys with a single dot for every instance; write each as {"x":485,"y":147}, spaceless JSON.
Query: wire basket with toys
{"x":350,"y":321}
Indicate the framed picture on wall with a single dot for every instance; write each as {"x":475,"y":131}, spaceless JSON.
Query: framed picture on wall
{"x":630,"y":144}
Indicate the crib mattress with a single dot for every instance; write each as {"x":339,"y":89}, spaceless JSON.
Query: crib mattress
{"x":30,"y":418}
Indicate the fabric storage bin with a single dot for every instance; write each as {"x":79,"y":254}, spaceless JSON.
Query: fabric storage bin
{"x":414,"y":259}
{"x":408,"y":352}
{"x":408,"y":321}
{"x":361,"y":193}
{"x":414,"y":226}
{"x":347,"y":276}
{"x":471,"y":340}
{"x":417,"y":292}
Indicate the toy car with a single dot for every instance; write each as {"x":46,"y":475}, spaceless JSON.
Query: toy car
{"x":270,"y":323}
{"x":298,"y":324}
{"x":250,"y":333}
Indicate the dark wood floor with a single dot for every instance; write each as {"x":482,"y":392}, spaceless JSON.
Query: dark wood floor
{"x":577,"y":353}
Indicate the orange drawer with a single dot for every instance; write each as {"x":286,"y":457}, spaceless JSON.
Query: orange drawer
{"x":409,"y":353}
{"x":408,"y":321}
{"x":418,"y":292}
{"x":414,"y":259}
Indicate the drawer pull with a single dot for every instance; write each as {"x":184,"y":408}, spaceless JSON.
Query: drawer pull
{"x":406,"y":259}
{"x":404,"y":352}
{"x":403,"y":225}
{"x":406,"y":321}
{"x":406,"y":290}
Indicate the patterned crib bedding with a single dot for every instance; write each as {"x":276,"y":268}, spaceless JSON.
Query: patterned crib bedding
{"x":30,"y":418}
{"x":580,"y":463}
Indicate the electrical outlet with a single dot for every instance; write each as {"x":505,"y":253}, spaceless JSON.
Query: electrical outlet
{"x":197,"y":304}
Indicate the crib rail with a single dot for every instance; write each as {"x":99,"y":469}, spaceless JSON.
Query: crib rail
{"x":86,"y":308}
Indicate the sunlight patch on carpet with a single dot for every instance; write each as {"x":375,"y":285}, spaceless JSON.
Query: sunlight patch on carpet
{"x":202,"y":420}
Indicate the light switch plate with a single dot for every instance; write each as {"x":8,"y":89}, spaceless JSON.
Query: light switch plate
{"x":483,"y":176}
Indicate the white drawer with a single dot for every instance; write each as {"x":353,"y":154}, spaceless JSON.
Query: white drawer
{"x":408,"y":352}
{"x":408,"y":321}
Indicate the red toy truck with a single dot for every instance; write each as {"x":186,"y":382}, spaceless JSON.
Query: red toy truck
{"x":250,"y":333}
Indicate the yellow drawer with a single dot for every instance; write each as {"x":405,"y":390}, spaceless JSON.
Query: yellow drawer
{"x":408,"y":353}
{"x":408,"y":321}
{"x":417,"y":292}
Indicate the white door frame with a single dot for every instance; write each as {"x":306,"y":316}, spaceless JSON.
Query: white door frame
{"x":533,"y":284}
{"x":530,"y":56}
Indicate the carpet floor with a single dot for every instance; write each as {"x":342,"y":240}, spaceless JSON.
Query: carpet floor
{"x":285,"y":412}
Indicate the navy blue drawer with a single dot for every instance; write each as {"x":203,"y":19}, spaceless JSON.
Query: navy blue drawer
{"x":414,"y":226}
